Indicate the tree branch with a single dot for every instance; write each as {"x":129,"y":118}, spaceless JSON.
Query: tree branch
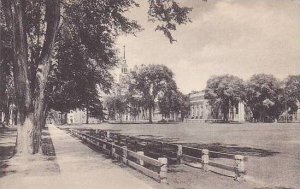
{"x":52,"y":18}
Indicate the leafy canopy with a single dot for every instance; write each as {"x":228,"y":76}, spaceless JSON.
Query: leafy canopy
{"x":85,"y":47}
{"x":264,"y":96}
{"x":224,"y":92}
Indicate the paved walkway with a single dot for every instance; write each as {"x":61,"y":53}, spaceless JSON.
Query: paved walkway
{"x":80,"y":167}
{"x":85,"y":168}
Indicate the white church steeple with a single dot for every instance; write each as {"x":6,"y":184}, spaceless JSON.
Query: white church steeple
{"x":124,"y":66}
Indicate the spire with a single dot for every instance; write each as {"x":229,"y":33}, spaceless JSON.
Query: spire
{"x":124,"y":64}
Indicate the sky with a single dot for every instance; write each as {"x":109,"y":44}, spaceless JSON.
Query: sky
{"x":237,"y":37}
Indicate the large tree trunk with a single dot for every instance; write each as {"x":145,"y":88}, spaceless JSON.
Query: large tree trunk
{"x":6,"y":114}
{"x":225,"y":108}
{"x":25,"y":139}
{"x":31,"y":107}
{"x":87,"y":116}
{"x":226,"y":112}
{"x":87,"y":113}
{"x":226,"y":116}
{"x":150,"y":115}
{"x":14,"y":117}
{"x":21,"y":81}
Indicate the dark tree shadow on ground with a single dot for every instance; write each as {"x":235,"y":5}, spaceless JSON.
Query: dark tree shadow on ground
{"x":7,"y":150}
{"x":47,"y":144}
{"x":7,"y":144}
{"x":169,"y":151}
{"x":157,"y":138}
{"x":276,"y":187}
{"x":232,"y":149}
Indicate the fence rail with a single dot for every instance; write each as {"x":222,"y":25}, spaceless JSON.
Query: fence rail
{"x":123,"y":154}
{"x":239,"y":161}
{"x":117,"y":146}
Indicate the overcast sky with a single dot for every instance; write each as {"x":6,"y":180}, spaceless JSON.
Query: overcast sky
{"x":238,"y":37}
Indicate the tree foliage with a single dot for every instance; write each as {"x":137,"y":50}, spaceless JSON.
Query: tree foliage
{"x":6,"y":80}
{"x":292,"y":93}
{"x":264,"y":96}
{"x":173,"y":101}
{"x":116,"y":106}
{"x":135,"y":105}
{"x":88,"y":28}
{"x":148,"y":82}
{"x":224,"y":92}
{"x":169,"y":14}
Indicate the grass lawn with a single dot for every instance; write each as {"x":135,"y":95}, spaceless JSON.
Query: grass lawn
{"x":273,"y":149}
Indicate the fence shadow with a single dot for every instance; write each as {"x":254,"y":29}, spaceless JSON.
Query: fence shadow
{"x":233,"y":149}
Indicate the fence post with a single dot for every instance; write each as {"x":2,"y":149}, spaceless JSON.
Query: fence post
{"x":125,"y":153}
{"x":179,"y":154}
{"x":163,"y":169}
{"x":119,"y":139}
{"x":104,"y":148}
{"x":205,"y":159}
{"x":135,"y":146}
{"x":239,"y":167}
{"x":108,"y":134}
{"x":141,"y":162}
{"x":113,"y":150}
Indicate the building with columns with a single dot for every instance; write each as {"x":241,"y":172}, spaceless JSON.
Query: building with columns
{"x":200,"y":110}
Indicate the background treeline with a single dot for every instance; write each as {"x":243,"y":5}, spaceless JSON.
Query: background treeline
{"x":266,"y":97}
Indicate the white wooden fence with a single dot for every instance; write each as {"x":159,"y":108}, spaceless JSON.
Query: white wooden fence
{"x":133,"y":159}
{"x":238,"y":161}
{"x":137,"y":160}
